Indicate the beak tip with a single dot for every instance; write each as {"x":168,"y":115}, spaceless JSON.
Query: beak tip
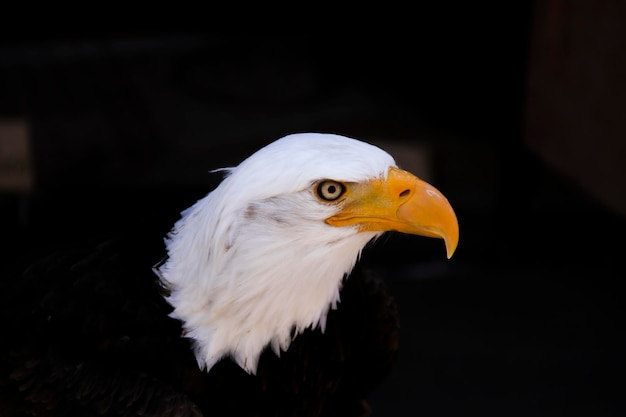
{"x":451,"y":245}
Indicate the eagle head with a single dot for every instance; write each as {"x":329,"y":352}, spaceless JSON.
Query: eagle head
{"x":266,"y":251}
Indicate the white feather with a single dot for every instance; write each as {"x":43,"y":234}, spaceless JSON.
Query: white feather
{"x":255,"y":259}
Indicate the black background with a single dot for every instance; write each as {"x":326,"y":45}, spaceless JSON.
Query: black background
{"x":526,"y":319}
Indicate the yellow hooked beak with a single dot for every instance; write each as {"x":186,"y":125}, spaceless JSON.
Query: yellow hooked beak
{"x":403,"y":203}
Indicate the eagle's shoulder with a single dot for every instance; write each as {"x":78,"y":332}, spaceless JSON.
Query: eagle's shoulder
{"x":84,"y":332}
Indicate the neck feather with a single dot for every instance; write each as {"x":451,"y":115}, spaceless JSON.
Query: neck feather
{"x":241,"y":284}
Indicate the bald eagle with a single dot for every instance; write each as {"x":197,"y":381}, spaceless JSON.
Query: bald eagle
{"x":257,"y":308}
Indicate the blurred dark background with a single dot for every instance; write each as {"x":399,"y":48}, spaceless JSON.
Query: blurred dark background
{"x":516,"y":115}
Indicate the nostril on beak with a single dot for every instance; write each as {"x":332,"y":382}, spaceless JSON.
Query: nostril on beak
{"x":405,"y":193}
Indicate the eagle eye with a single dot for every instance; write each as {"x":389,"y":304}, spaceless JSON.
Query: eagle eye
{"x":329,"y":190}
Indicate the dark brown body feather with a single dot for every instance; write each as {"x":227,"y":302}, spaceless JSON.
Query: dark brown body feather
{"x":85,"y":332}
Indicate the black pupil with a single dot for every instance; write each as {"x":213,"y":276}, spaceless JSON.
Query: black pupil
{"x":332,"y":189}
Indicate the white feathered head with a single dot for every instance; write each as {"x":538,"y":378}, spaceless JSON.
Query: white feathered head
{"x":266,"y":251}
